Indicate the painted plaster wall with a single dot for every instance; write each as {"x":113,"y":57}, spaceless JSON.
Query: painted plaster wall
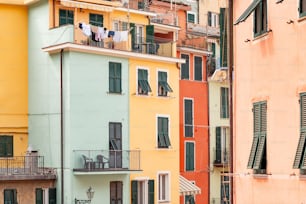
{"x":14,"y":76}
{"x":208,"y":5}
{"x":197,"y":91}
{"x":214,"y":121}
{"x":144,"y":111}
{"x":270,"y":68}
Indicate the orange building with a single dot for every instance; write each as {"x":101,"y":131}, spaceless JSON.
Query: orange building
{"x":269,"y":101}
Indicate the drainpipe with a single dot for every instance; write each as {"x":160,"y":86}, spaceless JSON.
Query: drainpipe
{"x":208,"y":129}
{"x":62,"y":129}
{"x":230,"y":70}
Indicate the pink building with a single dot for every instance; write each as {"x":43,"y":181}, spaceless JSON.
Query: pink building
{"x":269,"y":102}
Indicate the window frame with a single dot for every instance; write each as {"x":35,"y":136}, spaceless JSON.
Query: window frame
{"x":145,"y":82}
{"x":113,"y":80}
{"x":221,"y":147}
{"x":66,"y":18}
{"x":302,"y":8}
{"x":163,"y":87}
{"x":224,"y":102}
{"x":185,"y":68}
{"x":7,"y":143}
{"x":257,"y":158}
{"x":163,"y":188}
{"x":13,"y":195}
{"x":95,"y":21}
{"x":147,"y":186}
{"x":190,"y":166}
{"x":186,"y":124}
{"x":191,"y":13}
{"x":166,"y":138}
{"x":213,"y":19}
{"x":197,"y":77}
{"x":118,"y":187}
{"x":260,"y":18}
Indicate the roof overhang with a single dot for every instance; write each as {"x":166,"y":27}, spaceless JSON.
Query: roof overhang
{"x":109,"y":52}
{"x":19,"y":2}
{"x":162,"y":28}
{"x":247,"y":12}
{"x":133,"y":11}
{"x":85,"y":5}
{"x":187,"y":187}
{"x":220,"y":75}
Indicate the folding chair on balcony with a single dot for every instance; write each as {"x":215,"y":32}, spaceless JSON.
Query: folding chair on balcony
{"x":101,"y":161}
{"x":88,"y":162}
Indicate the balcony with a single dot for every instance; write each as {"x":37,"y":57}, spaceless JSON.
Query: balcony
{"x":25,"y":168}
{"x":221,"y":157}
{"x":208,"y":31}
{"x":142,"y":5}
{"x":106,"y":161}
{"x":198,"y":43}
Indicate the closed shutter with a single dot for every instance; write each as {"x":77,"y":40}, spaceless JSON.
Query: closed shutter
{"x":224,"y":103}
{"x":151,"y":192}
{"x":223,"y":37}
{"x":198,"y":68}
{"x":133,"y":35}
{"x":6,"y":146}
{"x":52,"y":195}
{"x":209,"y":18}
{"x":189,"y":156}
{"x":188,"y":118}
{"x":218,"y":145}
{"x":10,"y":196}
{"x":114,"y":77}
{"x":134,"y":192}
{"x":185,"y":67}
{"x":39,"y":196}
{"x":163,"y":137}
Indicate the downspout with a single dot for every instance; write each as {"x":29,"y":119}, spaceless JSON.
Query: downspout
{"x":62,"y":128}
{"x":230,"y":70}
{"x":208,"y":125}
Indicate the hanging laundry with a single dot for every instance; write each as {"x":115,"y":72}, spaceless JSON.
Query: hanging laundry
{"x":124,"y":35}
{"x":99,"y":34}
{"x":105,"y":33}
{"x":85,"y":29}
{"x":117,"y":36}
{"x":111,"y":33}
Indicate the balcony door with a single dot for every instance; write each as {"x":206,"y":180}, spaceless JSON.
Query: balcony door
{"x":115,"y":145}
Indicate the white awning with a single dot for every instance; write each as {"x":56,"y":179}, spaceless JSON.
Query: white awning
{"x":187,"y":187}
{"x":83,"y":5}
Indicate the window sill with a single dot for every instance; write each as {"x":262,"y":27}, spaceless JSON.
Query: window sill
{"x":260,"y":176}
{"x":164,"y":201}
{"x":114,"y":93}
{"x":262,"y":36}
{"x":302,"y":18}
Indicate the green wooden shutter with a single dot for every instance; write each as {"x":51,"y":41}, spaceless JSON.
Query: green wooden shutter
{"x":133,"y":35}
{"x":224,"y":103}
{"x":213,"y":49}
{"x":188,"y":118}
{"x":300,"y":151}
{"x":6,"y":146}
{"x":185,"y":67}
{"x":198,"y":68}
{"x":189,"y":156}
{"x":166,"y":131}
{"x":10,"y":196}
{"x":52,"y":195}
{"x":39,"y":196}
{"x":151,"y":191}
{"x":218,"y":145}
{"x":150,"y":33}
{"x":253,"y":151}
{"x":223,"y":37}
{"x":134,"y":192}
{"x":260,"y":152}
{"x":209,"y":18}
{"x":111,"y":77}
{"x":118,"y":78}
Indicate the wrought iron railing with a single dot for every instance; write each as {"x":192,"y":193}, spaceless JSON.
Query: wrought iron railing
{"x":106,"y":160}
{"x":221,"y":156}
{"x":22,"y":165}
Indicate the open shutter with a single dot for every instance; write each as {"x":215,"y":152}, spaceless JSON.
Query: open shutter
{"x":52,"y":195}
{"x":260,"y":152}
{"x":151,"y":191}
{"x":223,"y":37}
{"x":209,"y":18}
{"x":133,"y":35}
{"x":39,"y":196}
{"x":166,"y":131}
{"x":150,"y":33}
{"x":134,"y":192}
{"x":300,"y":151}
{"x":218,"y":145}
{"x":185,"y":67}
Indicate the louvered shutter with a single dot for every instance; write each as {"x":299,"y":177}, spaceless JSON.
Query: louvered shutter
{"x":39,"y":196}
{"x":134,"y":192}
{"x":260,"y":151}
{"x":189,"y":156}
{"x":218,"y":145}
{"x":185,"y":67}
{"x":198,"y":68}
{"x":209,"y":18}
{"x":151,"y":191}
{"x":300,"y":151}
{"x":52,"y":195}
{"x":188,"y":118}
{"x":223,"y":37}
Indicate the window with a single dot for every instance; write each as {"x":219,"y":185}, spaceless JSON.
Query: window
{"x":163,"y":86}
{"x":198,"y":68}
{"x":143,"y":192}
{"x":6,"y":146}
{"x":116,"y":192}
{"x":257,"y":159}
{"x":224,"y":103}
{"x":66,"y":17}
{"x":114,"y":77}
{"x":96,"y":20}
{"x":143,"y":84}
{"x":221,"y":153}
{"x":120,"y":25}
{"x":191,"y":17}
{"x":163,"y":187}
{"x":189,"y":156}
{"x":225,"y":190}
{"x":10,"y":196}
{"x":260,"y":18}
{"x":302,"y":8}
{"x":188,"y":117}
{"x":185,"y":67}
{"x":163,"y":132}
{"x":300,"y":155}
{"x":213,"y":19}
{"x":189,"y":199}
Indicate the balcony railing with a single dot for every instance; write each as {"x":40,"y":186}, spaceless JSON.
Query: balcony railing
{"x":22,"y":165}
{"x":221,"y":157}
{"x":106,"y":160}
{"x":206,"y":30}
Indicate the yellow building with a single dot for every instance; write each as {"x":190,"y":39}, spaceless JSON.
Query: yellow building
{"x":16,"y":166}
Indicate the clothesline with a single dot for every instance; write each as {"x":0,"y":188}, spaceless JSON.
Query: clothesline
{"x":98,"y":34}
